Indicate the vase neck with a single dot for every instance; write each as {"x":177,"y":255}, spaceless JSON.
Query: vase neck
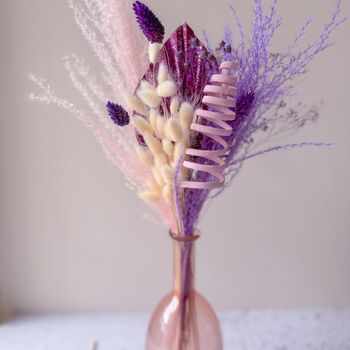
{"x":184,"y":259}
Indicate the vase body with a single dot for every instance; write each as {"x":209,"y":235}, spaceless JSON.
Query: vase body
{"x":184,"y":320}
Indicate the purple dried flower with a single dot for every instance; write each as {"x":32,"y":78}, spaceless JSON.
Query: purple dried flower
{"x":149,"y":23}
{"x":118,"y":114}
{"x":263,"y":81}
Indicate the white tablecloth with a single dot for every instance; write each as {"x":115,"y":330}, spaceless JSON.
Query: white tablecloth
{"x":242,"y":330}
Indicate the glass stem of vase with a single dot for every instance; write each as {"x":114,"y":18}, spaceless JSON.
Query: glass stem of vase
{"x":184,"y":290}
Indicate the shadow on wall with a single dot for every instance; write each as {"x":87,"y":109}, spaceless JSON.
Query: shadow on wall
{"x":3,"y":315}
{"x":5,"y":309}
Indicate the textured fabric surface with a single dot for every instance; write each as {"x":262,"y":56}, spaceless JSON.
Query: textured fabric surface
{"x":244,"y":330}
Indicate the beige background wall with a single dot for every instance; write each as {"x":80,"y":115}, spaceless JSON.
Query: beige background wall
{"x":72,"y":235}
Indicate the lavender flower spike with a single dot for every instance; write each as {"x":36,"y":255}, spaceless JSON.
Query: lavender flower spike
{"x":118,"y":114}
{"x":149,"y":23}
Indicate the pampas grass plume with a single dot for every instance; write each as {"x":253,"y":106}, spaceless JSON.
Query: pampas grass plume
{"x":178,"y":151}
{"x":149,"y":96}
{"x":149,"y":196}
{"x":174,"y":105}
{"x":168,"y":147}
{"x":142,"y":125}
{"x":153,"y":52}
{"x":173,"y":129}
{"x":161,"y":122}
{"x":144,"y":155}
{"x":135,"y":104}
{"x":158,"y":176}
{"x":153,"y":186}
{"x":167,"y":89}
{"x":186,"y":114}
{"x":159,"y":161}
{"x":186,"y":136}
{"x":153,"y":119}
{"x":163,"y":74}
{"x":167,"y":173}
{"x":154,"y":145}
{"x":146,"y":85}
{"x":168,"y":194}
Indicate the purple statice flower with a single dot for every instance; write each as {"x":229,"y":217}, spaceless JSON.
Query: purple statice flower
{"x":150,"y":25}
{"x":118,"y":114}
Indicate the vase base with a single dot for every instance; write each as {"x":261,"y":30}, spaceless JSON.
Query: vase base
{"x":184,"y":324}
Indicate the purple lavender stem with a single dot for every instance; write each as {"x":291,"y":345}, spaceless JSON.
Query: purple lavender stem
{"x":262,"y":84}
{"x":283,"y":148}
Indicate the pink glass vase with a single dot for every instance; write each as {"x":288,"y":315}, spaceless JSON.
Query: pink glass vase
{"x":184,"y":320}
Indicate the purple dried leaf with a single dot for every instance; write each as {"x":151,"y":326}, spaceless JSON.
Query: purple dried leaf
{"x":189,"y":63}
